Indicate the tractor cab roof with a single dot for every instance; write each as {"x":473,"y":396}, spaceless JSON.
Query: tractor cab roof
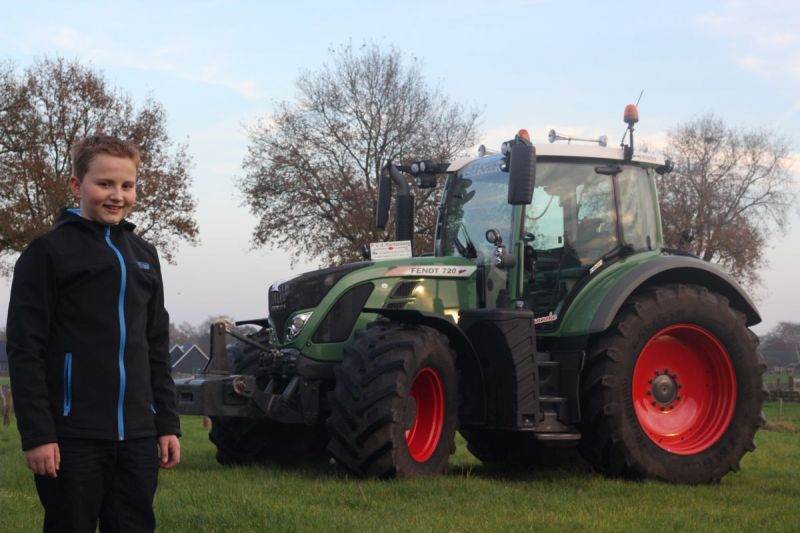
{"x":646,"y":159}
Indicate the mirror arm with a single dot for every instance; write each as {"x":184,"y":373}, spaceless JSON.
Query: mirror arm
{"x":398,"y":178}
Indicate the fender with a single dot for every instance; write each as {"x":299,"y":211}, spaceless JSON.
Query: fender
{"x":672,"y":269}
{"x":473,"y":400}
{"x":457,"y":338}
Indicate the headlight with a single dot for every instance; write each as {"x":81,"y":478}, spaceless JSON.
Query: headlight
{"x":296,"y":325}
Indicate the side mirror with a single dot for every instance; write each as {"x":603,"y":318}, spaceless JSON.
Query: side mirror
{"x":522,"y":172}
{"x":384,"y":200}
{"x":666,"y":168}
{"x":502,"y":258}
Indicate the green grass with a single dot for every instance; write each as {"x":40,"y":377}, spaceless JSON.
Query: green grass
{"x":200,"y":495}
{"x":4,"y":380}
{"x":778,"y":378}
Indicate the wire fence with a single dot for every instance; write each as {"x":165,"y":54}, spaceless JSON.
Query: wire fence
{"x":786,"y":388}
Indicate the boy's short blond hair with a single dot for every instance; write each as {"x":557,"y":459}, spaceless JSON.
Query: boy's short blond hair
{"x":85,"y":150}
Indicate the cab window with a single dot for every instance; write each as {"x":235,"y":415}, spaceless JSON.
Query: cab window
{"x":637,"y":208}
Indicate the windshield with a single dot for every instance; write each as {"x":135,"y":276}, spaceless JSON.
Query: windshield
{"x":572,"y":214}
{"x":476,"y":200}
{"x":570,"y":225}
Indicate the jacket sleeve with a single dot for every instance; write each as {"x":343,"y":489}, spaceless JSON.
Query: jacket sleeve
{"x":30,"y":311}
{"x":166,"y":417}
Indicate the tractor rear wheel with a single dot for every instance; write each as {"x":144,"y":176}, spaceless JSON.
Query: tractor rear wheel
{"x":673,"y":389}
{"x":394,"y":408}
{"x":242,"y":441}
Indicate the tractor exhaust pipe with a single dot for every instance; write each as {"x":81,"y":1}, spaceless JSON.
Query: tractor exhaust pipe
{"x":404,"y":204}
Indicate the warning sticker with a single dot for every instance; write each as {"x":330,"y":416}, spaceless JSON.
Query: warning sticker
{"x":550,"y":317}
{"x":433,"y":271}
{"x":390,"y":250}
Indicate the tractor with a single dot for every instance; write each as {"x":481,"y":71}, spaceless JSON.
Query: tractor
{"x":549,"y":315}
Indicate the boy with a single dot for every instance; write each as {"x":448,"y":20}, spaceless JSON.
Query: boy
{"x":87,"y":341}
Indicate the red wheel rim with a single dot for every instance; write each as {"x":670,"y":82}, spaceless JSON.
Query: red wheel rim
{"x":684,"y":389}
{"x":423,"y":437}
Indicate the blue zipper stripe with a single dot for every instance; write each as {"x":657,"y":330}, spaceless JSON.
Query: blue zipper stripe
{"x":67,"y":383}
{"x":122,"y":335}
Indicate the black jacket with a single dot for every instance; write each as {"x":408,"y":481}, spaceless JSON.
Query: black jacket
{"x":88,"y":336}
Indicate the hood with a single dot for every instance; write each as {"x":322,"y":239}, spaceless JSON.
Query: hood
{"x":305,"y":291}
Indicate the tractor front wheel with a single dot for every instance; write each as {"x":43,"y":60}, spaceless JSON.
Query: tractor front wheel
{"x":673,"y":390}
{"x":394,"y":407}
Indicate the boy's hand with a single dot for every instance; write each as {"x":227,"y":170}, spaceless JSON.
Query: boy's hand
{"x":44,"y":460}
{"x":170,"y":448}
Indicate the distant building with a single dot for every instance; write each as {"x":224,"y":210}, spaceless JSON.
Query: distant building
{"x":175,"y":353}
{"x":192,"y":361}
{"x":3,"y":359}
{"x":183,"y":362}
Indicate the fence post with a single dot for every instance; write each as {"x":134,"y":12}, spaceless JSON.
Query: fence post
{"x":8,"y":403}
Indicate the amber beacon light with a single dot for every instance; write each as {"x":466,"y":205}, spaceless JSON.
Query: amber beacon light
{"x":631,"y":114}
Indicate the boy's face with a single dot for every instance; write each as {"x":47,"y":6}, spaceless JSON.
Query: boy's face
{"x":108,"y":190}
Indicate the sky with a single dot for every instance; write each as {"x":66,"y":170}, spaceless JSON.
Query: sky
{"x":218,"y":67}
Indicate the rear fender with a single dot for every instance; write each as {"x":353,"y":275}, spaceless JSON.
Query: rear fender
{"x":671,"y":269}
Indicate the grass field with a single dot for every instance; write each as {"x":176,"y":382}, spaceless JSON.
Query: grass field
{"x":200,"y":495}
{"x":784,"y":379}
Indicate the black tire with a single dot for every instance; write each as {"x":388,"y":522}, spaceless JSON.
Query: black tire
{"x":372,"y":405}
{"x":714,"y":413}
{"x":242,"y":441}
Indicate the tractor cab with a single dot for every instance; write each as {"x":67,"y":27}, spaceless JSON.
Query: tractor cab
{"x":589,"y":208}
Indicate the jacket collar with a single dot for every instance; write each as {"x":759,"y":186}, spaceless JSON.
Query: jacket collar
{"x":72,"y":216}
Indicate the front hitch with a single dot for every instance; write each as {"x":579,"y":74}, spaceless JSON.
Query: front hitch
{"x":219,"y":364}
{"x":219,"y":392}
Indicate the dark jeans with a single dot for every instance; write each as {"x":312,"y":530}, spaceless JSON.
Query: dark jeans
{"x":114,"y":482}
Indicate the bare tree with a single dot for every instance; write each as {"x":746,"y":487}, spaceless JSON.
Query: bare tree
{"x":43,"y":112}
{"x":732,"y":188}
{"x":180,"y":334}
{"x":312,"y":168}
{"x":785,"y":336}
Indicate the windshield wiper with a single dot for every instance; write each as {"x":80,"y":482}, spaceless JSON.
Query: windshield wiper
{"x":466,"y":250}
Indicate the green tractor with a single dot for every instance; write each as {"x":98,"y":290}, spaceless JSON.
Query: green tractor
{"x":548,"y":315}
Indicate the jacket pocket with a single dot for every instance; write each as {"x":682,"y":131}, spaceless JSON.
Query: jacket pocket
{"x":67,"y":383}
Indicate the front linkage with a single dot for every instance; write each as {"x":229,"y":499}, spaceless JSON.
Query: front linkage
{"x":257,"y":380}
